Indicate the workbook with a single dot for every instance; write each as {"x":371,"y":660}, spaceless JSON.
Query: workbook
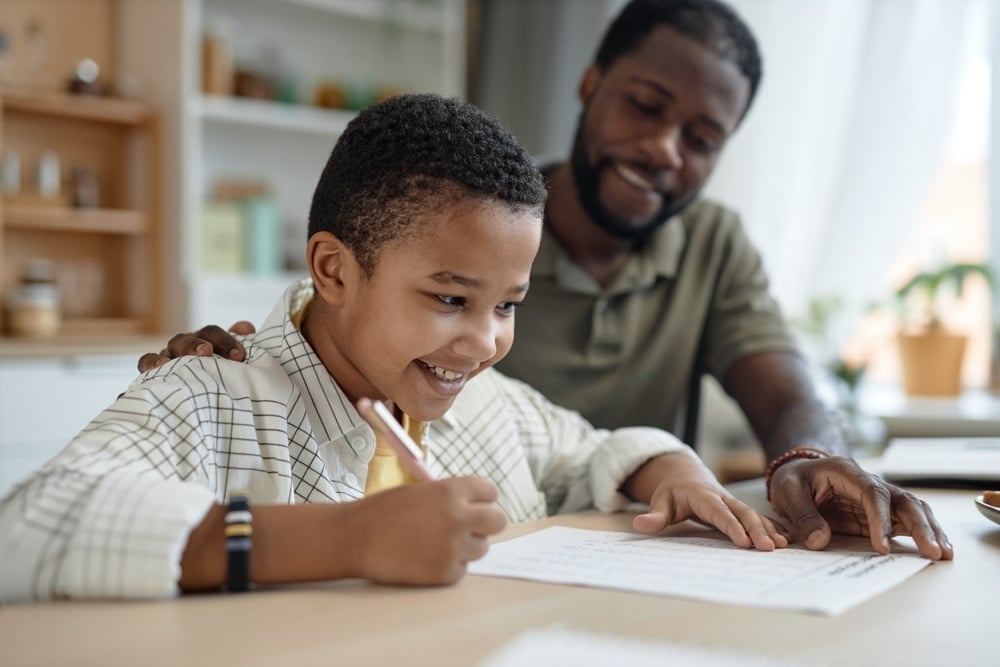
{"x":702,"y":568}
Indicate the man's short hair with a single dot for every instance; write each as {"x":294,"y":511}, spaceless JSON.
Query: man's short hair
{"x":711,"y":23}
{"x":414,"y":155}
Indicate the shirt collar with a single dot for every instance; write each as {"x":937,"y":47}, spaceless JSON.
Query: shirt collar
{"x":659,"y":256}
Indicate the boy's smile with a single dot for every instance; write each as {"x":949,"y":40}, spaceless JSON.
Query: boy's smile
{"x":437,"y":310}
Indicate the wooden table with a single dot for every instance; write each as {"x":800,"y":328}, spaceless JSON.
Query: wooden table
{"x":944,"y":615}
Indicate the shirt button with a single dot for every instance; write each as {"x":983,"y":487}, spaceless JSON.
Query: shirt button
{"x":361,"y":446}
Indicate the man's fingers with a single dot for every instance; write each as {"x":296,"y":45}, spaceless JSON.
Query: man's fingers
{"x":204,"y":343}
{"x":877,"y":503}
{"x":185,"y":345}
{"x":223,"y":343}
{"x":795,"y":502}
{"x":151,"y":360}
{"x":915,"y":518}
{"x":243,"y":328}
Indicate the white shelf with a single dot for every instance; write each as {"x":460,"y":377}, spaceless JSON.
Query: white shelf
{"x":974,"y":413}
{"x":421,"y":15}
{"x":274,"y":115}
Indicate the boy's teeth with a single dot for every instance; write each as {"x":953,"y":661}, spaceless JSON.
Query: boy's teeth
{"x":443,"y":373}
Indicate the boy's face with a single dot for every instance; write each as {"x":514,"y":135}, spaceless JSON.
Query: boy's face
{"x":437,"y":310}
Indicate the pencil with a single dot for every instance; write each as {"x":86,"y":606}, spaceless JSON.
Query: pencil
{"x":382,"y":421}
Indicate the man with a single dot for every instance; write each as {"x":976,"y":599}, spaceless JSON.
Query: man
{"x":639,"y":285}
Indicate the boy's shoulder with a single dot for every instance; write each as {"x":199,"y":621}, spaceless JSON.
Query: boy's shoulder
{"x":259,"y":371}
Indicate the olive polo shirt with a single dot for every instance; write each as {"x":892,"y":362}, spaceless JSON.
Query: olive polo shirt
{"x":622,"y":355}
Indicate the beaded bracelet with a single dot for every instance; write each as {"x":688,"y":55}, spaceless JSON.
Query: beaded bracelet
{"x":239,"y":531}
{"x":797,"y":453}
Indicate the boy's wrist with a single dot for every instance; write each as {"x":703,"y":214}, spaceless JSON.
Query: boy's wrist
{"x":641,"y":485}
{"x":300,"y":543}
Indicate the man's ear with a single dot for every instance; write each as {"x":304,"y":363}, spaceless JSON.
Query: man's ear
{"x":588,"y":83}
{"x":332,"y":266}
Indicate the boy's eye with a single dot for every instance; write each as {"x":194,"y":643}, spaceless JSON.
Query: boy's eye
{"x":452,"y":301}
{"x":507,"y":307}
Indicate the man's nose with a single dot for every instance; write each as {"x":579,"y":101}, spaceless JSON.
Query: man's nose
{"x":664,"y":146}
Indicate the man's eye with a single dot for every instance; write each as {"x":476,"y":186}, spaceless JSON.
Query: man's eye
{"x":701,"y":144}
{"x":651,"y":109}
{"x":452,"y":301}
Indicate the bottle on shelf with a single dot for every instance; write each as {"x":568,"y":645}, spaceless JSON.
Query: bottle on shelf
{"x":33,"y":305}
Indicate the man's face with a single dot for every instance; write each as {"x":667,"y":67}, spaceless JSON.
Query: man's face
{"x":652,"y":128}
{"x":437,"y":310}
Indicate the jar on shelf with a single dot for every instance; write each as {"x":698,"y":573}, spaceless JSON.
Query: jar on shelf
{"x":33,"y":305}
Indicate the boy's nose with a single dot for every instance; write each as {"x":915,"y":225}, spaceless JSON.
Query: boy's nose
{"x":477,"y":341}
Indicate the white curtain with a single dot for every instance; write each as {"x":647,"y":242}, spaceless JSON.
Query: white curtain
{"x":831,"y":166}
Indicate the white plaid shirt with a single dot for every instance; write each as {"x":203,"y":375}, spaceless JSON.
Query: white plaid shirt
{"x":110,"y":515}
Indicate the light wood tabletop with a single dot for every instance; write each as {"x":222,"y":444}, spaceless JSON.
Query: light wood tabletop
{"x":943,"y":615}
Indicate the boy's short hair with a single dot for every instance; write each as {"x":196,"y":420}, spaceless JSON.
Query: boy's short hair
{"x":711,"y":23}
{"x":413,"y":155}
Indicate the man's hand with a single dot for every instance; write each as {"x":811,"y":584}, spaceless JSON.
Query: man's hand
{"x":683,"y":488}
{"x":202,"y":343}
{"x":834,"y":495}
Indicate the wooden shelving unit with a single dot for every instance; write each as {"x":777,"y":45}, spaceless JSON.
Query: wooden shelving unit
{"x":78,"y":221}
{"x":106,"y":257}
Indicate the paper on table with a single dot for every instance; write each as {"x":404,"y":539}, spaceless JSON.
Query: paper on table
{"x":560,"y":646}
{"x":827,"y":582}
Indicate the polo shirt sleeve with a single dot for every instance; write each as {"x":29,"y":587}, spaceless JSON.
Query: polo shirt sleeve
{"x":574,"y":464}
{"x":743,"y":318}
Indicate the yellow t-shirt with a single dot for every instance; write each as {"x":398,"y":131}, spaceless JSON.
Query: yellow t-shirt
{"x":385,"y":470}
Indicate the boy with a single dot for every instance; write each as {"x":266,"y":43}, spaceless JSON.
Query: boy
{"x":423,"y":228}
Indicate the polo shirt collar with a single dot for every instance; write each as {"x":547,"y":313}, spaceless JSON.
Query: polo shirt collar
{"x":660,"y":256}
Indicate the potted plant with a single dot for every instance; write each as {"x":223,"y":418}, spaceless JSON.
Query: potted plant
{"x":931,"y":355}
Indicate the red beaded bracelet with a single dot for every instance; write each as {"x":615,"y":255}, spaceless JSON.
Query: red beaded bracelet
{"x":797,"y":453}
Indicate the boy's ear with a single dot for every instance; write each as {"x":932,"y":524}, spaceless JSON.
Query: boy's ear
{"x":330,"y":264}
{"x":588,"y":83}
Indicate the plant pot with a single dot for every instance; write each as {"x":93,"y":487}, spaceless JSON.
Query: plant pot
{"x":932,"y":363}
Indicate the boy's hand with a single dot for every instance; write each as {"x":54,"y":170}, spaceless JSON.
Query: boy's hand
{"x":426,"y":533}
{"x":202,"y":343}
{"x":683,"y":488}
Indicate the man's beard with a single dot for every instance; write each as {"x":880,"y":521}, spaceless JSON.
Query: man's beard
{"x":587,"y":180}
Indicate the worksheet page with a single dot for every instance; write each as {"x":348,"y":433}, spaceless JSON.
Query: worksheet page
{"x":794,"y":578}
